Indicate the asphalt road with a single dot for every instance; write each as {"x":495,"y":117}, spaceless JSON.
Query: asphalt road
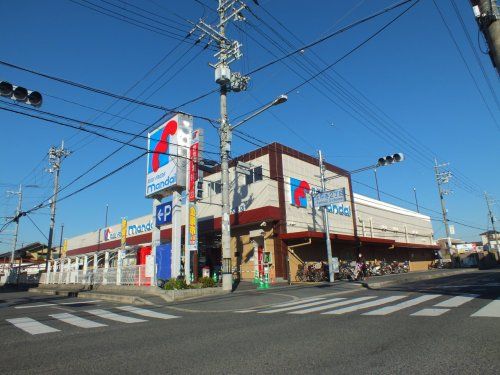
{"x":447,"y":325}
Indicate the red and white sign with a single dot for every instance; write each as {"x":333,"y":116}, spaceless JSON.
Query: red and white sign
{"x":195,"y":152}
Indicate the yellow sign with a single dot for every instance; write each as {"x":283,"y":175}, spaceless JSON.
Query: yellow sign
{"x":124,"y":232}
{"x":193,"y":228}
{"x":65,"y":248}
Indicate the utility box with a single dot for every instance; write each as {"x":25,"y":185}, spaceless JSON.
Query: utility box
{"x":222,"y":75}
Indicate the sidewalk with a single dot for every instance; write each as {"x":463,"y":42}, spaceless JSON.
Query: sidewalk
{"x":376,"y":282}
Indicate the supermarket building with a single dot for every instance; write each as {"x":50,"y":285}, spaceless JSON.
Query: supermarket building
{"x":273,"y":219}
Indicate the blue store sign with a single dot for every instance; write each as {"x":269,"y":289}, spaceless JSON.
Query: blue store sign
{"x":164,"y":213}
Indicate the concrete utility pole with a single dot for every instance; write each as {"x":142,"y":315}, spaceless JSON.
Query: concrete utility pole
{"x":56,"y":156}
{"x":376,"y":183}
{"x":229,"y":51}
{"x":61,"y":240}
{"x":492,"y":219}
{"x":443,"y":178}
{"x":326,"y":221}
{"x":488,"y":20}
{"x":19,"y":194}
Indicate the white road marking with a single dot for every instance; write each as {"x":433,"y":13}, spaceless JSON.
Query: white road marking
{"x":112,"y":316}
{"x":244,"y":311}
{"x":331,"y":305}
{"x":305,"y":300}
{"x":31,"y":326}
{"x":403,"y":305}
{"x":55,"y":304}
{"x":33,"y":306}
{"x":457,"y":301}
{"x":364,"y":305}
{"x":77,"y":321}
{"x":491,"y":310}
{"x":296,"y":307}
{"x":147,"y":313}
{"x":430,"y":312}
{"x":78,"y":302}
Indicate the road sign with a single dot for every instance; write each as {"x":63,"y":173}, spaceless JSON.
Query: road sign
{"x":164,"y":213}
{"x":327,"y":198}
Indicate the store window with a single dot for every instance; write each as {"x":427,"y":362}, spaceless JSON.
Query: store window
{"x":214,"y":188}
{"x":254,"y":175}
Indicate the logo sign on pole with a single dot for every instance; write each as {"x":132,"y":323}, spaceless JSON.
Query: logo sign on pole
{"x":164,"y":213}
{"x":193,"y":228}
{"x":167,"y":155}
{"x":335,"y":264}
{"x":327,"y":198}
{"x":124,"y":232}
{"x":195,"y":152}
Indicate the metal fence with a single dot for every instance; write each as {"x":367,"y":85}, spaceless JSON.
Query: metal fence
{"x":129,"y":275}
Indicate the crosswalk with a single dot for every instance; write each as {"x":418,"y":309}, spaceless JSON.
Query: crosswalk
{"x":373,"y":305}
{"x":103,"y":318}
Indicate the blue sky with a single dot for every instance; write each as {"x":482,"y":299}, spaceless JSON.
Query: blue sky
{"x":407,"y":91}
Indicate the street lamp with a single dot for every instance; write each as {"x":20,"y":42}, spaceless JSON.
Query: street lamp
{"x":279,"y":100}
{"x":225,"y":146}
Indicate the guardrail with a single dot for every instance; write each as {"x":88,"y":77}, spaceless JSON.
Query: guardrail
{"x":130,"y":275}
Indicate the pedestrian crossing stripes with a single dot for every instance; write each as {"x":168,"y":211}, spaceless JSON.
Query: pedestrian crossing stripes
{"x":31,"y":326}
{"x":365,"y":305}
{"x":331,"y":305}
{"x":373,"y":303}
{"x":34,"y":327}
{"x":146,"y":313}
{"x":116,"y":317}
{"x":403,"y":305}
{"x":491,"y":310}
{"x":77,"y":321}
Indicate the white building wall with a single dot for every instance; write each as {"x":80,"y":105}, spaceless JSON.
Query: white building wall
{"x":308,"y":218}
{"x":383,"y":220}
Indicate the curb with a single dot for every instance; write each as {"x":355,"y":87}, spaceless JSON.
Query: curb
{"x":411,"y":278}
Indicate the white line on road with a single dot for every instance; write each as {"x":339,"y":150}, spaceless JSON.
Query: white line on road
{"x":403,"y":305}
{"x":491,"y":310}
{"x":457,"y":301}
{"x":296,"y":307}
{"x":305,"y":300}
{"x":55,"y":304}
{"x":31,"y":326}
{"x":112,"y":316}
{"x":33,"y":306}
{"x":244,"y":311}
{"x":78,"y":302}
{"x":77,"y":321}
{"x":364,"y":305}
{"x":332,"y":305}
{"x":146,"y":312}
{"x":430,"y":312}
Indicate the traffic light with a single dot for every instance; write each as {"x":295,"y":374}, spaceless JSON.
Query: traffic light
{"x":20,"y":94}
{"x":199,"y":190}
{"x":390,"y":159}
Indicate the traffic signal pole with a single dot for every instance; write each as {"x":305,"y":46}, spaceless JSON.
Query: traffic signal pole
{"x":326,"y":221}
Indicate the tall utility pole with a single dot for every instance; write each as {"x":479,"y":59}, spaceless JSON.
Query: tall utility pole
{"x":443,"y":178}
{"x":229,"y":51}
{"x":488,"y":20}
{"x":19,"y":194}
{"x":326,"y":221}
{"x":56,"y":156}
{"x":61,"y":240}
{"x":492,"y":219}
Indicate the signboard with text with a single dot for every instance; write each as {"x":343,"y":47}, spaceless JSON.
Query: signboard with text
{"x":192,"y":243}
{"x":167,"y":155}
{"x":195,"y":153}
{"x":330,"y":197}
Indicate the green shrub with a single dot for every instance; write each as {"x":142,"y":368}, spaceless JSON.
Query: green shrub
{"x":207,"y":282}
{"x":175,"y":284}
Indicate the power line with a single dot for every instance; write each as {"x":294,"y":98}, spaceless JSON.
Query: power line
{"x":95,"y":90}
{"x":457,"y":47}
